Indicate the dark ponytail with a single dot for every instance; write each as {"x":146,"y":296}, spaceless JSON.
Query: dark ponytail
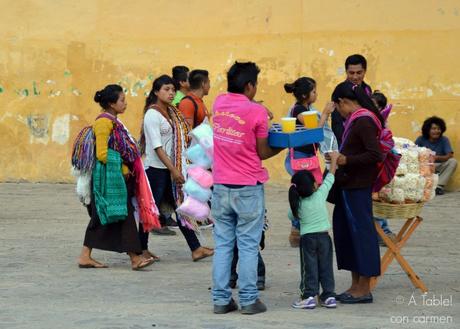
{"x":347,"y":90}
{"x":366,"y":101}
{"x":301,"y":87}
{"x":151,"y":100}
{"x":289,"y":87}
{"x":294,"y":200}
{"x":302,"y":186}
{"x":108,"y":95}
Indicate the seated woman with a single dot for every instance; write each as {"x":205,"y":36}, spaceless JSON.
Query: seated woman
{"x":432,"y":137}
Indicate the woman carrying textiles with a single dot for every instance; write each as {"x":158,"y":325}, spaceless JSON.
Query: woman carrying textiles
{"x":164,"y":139}
{"x":115,"y":180}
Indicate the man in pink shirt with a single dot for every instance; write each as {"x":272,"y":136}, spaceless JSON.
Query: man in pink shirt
{"x":238,"y":203}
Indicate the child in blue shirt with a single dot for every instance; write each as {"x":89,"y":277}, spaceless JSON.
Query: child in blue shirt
{"x":308,"y":204}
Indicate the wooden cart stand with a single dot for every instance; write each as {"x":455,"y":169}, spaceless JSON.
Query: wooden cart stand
{"x":411,"y":213}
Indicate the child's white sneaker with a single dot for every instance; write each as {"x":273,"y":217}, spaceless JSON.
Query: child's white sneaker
{"x":309,"y":303}
{"x":329,"y":302}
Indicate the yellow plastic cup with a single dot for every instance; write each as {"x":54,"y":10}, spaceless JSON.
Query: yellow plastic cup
{"x":310,"y":119}
{"x":288,"y":125}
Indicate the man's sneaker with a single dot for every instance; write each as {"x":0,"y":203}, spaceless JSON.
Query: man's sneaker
{"x":329,"y":303}
{"x":309,"y":303}
{"x":260,"y":285}
{"x":223,"y":309}
{"x":439,"y":191}
{"x":254,"y":308}
{"x":163,"y":231}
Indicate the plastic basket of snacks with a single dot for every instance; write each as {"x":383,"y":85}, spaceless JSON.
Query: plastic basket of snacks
{"x":413,"y":185}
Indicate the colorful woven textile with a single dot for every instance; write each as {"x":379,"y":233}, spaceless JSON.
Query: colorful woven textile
{"x":180,"y":144}
{"x":83,"y":151}
{"x":109,"y":189}
{"x":121,"y":140}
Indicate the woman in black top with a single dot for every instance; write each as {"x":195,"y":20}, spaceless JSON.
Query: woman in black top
{"x":355,"y":237}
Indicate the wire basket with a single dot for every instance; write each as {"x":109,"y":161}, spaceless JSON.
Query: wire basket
{"x":389,"y":210}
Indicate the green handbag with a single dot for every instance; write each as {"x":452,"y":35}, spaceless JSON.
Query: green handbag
{"x":109,"y":189}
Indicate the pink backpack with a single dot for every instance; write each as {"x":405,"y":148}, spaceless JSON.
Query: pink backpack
{"x":386,"y":168}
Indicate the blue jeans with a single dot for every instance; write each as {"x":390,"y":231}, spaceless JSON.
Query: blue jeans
{"x":260,"y":266}
{"x":383,"y":224}
{"x":238,"y":216}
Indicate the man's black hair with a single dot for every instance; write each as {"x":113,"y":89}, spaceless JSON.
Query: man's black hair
{"x":197,"y":77}
{"x":240,"y":74}
{"x":356,"y":59}
{"x":179,"y":74}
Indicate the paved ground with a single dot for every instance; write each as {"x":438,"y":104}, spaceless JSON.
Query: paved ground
{"x":41,"y":232}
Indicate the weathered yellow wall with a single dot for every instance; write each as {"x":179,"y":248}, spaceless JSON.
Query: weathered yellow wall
{"x":55,"y":54}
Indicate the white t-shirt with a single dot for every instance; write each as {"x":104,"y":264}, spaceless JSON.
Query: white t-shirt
{"x":158,"y":133}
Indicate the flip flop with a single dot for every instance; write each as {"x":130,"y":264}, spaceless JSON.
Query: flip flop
{"x":142,"y":264}
{"x":155,"y":257}
{"x":203,"y":256}
{"x":98,"y":265}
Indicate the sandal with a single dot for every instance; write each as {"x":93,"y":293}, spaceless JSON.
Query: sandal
{"x":144,"y":262}
{"x":151,"y":255}
{"x":201,"y":253}
{"x":92,"y":264}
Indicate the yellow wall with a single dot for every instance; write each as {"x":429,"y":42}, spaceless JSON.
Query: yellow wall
{"x":55,"y":54}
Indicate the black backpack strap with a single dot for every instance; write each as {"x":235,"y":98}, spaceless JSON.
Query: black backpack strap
{"x":195,"y":113}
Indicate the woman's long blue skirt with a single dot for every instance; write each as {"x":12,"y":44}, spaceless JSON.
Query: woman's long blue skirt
{"x":355,"y":237}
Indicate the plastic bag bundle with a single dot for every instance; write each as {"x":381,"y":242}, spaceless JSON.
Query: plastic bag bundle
{"x":194,"y":209}
{"x":403,"y":142}
{"x":203,"y":134}
{"x":411,"y":160}
{"x":200,"y":175}
{"x":429,"y":190}
{"x":415,"y":180}
{"x":194,"y":189}
{"x":401,"y":170}
{"x":197,"y":155}
{"x":199,"y":180}
{"x":83,"y":188}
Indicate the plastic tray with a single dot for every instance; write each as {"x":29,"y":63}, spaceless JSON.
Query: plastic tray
{"x":302,"y":136}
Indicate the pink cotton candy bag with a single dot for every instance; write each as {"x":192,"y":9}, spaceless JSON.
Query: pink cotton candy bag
{"x":194,"y":209}
{"x":200,"y":175}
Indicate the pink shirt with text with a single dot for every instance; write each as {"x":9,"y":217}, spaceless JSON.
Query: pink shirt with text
{"x":238,"y":122}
